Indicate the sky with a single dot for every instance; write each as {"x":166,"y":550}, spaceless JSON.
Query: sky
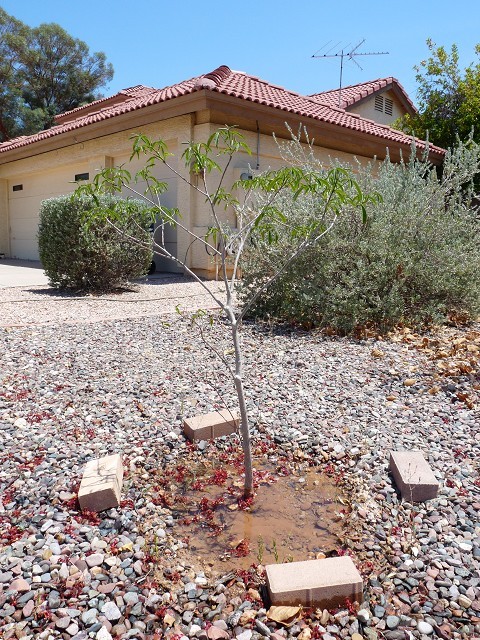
{"x":157,"y":43}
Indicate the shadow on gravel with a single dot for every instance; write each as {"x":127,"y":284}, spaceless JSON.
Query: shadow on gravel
{"x":155,"y":280}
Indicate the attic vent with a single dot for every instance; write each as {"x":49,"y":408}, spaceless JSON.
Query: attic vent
{"x":81,"y":176}
{"x":384,"y":105}
{"x":17,"y":187}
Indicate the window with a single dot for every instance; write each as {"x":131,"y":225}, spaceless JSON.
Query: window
{"x":17,"y":187}
{"x":82,"y":176}
{"x":384,"y":105}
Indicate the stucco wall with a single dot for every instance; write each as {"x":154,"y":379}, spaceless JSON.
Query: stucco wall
{"x":269,"y":158}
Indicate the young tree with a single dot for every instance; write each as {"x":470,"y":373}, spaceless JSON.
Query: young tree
{"x":44,"y":71}
{"x":449,"y":98}
{"x":332,"y":190}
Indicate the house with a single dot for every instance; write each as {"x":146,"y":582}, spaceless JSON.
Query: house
{"x":98,"y":135}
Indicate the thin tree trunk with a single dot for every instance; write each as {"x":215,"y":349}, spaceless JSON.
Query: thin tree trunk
{"x":244,"y":426}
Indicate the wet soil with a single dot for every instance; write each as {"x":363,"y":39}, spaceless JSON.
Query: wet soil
{"x":293,"y":517}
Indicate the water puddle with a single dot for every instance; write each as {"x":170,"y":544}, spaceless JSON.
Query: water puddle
{"x":293,"y":517}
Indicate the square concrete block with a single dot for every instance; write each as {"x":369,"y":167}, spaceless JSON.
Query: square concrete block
{"x":101,"y":484}
{"x":211,"y":425}
{"x":323,"y":583}
{"x":413,"y":476}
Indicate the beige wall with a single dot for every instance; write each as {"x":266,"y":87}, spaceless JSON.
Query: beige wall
{"x":367,"y":109}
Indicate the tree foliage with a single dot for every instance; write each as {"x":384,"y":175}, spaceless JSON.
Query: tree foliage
{"x":44,"y":71}
{"x":449,"y":98}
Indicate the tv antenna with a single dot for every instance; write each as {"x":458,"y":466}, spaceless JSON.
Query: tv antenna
{"x":345,"y":52}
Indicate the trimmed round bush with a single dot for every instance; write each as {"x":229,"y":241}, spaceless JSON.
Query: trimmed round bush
{"x":94,"y":244}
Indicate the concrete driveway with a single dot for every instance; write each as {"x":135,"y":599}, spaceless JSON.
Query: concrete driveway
{"x":21,"y":273}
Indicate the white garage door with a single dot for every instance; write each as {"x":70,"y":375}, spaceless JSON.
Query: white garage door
{"x":25,"y":198}
{"x":23,"y":227}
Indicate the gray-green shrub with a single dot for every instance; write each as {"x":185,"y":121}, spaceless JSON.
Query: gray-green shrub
{"x":415,"y":261}
{"x":88,"y":253}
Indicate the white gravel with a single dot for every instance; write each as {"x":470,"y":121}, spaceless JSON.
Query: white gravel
{"x":21,"y":306}
{"x":84,"y":377}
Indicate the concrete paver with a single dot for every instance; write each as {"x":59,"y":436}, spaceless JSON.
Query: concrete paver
{"x":101,"y":484}
{"x":211,"y":425}
{"x":323,"y":583}
{"x":413,"y":476}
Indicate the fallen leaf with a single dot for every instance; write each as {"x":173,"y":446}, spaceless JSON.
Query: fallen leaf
{"x":284,"y":615}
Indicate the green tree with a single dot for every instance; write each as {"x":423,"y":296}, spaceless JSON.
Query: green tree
{"x":449,"y":98}
{"x":209,"y":162}
{"x":11,"y":32}
{"x":44,"y":71}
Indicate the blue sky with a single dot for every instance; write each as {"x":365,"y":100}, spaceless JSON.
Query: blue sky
{"x":159,"y":43}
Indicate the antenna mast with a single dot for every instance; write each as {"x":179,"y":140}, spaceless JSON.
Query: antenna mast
{"x":350,"y":54}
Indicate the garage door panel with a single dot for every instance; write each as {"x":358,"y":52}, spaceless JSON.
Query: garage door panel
{"x":24,"y":227}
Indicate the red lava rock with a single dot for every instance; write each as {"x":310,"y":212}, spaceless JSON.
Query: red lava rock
{"x":107,"y":588}
{"x":20,"y":585}
{"x":214,"y":633}
{"x":28,"y":609}
{"x":444,"y":631}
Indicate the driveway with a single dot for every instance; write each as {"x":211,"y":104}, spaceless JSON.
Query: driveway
{"x":21,"y":273}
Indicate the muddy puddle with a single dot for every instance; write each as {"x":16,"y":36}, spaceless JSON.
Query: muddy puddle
{"x":293,"y":517}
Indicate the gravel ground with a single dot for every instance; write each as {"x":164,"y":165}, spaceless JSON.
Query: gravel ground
{"x":71,"y":391}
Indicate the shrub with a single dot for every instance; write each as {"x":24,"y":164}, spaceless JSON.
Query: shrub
{"x":415,"y":261}
{"x":87,"y":252}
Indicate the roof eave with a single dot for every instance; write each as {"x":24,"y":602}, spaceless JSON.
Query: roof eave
{"x":229,"y":109}
{"x":179,"y":106}
{"x":328,"y":135}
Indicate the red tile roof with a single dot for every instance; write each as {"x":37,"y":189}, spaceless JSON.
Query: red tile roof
{"x":356,"y":92}
{"x":222,"y":80}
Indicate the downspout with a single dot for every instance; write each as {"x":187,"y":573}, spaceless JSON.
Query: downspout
{"x":258,"y":147}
